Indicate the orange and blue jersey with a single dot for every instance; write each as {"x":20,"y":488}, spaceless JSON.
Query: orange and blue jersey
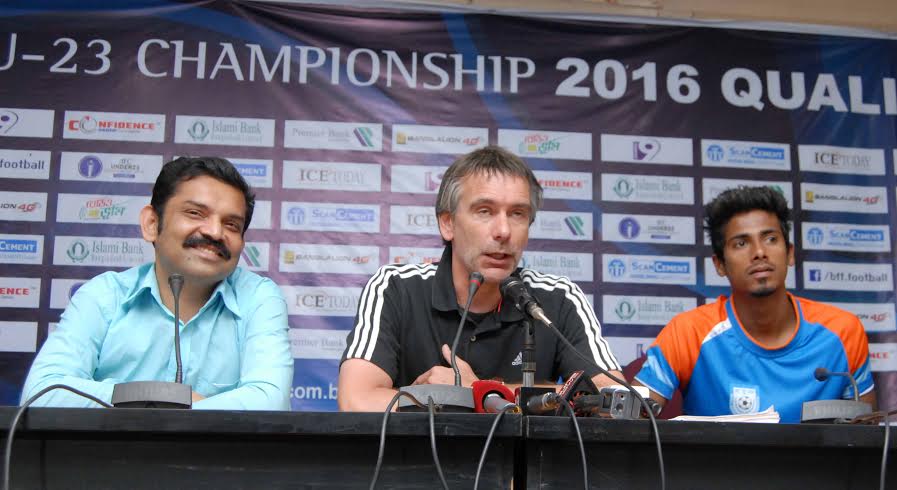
{"x":720,"y":369}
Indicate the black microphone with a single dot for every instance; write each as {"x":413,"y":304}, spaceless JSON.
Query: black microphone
{"x":823,"y":374}
{"x":474,"y":282}
{"x":514,"y":289}
{"x":176,"y":282}
{"x":548,"y":402}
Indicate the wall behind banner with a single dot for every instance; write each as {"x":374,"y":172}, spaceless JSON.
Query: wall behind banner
{"x":344,"y":120}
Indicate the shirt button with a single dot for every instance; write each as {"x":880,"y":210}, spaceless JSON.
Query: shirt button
{"x":473,"y":339}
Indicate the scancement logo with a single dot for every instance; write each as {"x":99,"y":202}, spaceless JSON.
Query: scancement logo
{"x":255,"y":256}
{"x":329,"y":259}
{"x":416,"y":179}
{"x":846,"y":237}
{"x":101,"y":252}
{"x":414,"y":255}
{"x":646,"y":149}
{"x":309,"y":216}
{"x":840,"y":276}
{"x":576,"y":266}
{"x":844,"y":198}
{"x":321,"y":300}
{"x":547,"y":144}
{"x":358,"y":177}
{"x":21,"y":249}
{"x":110,"y":167}
{"x":24,"y":164}
{"x":333,"y":135}
{"x":26,"y":123}
{"x":257,"y":173}
{"x":100,"y":209}
{"x":746,"y":154}
{"x":438,"y":139}
{"x":841,"y":160}
{"x":261,"y":216}
{"x":114,"y":126}
{"x":309,"y":343}
{"x":648,"y":269}
{"x":648,"y":228}
{"x":714,"y":187}
{"x":413,"y":220}
{"x":883,"y":356}
{"x":23,"y":206}
{"x":233,"y":131}
{"x":712,"y":278}
{"x":18,"y":336}
{"x":62,"y":290}
{"x":647,"y":188}
{"x":562,"y":225}
{"x":565,"y":185}
{"x":876,"y":317}
{"x":19,"y":292}
{"x":643,"y":310}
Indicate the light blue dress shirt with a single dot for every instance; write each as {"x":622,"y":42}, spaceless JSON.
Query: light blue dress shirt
{"x":235,"y":351}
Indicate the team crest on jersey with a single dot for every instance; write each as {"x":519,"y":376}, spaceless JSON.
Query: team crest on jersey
{"x":743,"y":400}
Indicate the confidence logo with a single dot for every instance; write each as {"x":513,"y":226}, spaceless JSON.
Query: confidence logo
{"x":616,"y":268}
{"x":78,"y":251}
{"x":365,"y":136}
{"x":198,"y":131}
{"x":623,"y":188}
{"x":629,"y":228}
{"x":815,"y":235}
{"x":90,"y":166}
{"x":643,"y":150}
{"x":251,"y":255}
{"x":574,"y":224}
{"x":86,"y":125}
{"x":715,"y":153}
{"x":8,"y":119}
{"x":625,"y":310}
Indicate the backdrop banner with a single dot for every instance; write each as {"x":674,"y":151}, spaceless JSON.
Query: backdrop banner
{"x":344,"y":120}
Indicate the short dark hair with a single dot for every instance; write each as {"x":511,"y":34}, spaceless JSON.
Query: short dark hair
{"x":183,"y":169}
{"x":719,"y":211}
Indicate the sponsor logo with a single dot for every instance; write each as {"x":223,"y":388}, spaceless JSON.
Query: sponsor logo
{"x":647,"y":188}
{"x":110,"y":167}
{"x":848,"y":276}
{"x":547,"y":144}
{"x":714,"y":187}
{"x":204,"y":130}
{"x":437,"y":139}
{"x":648,"y":229}
{"x":841,"y":160}
{"x":876,"y":317}
{"x":255,"y":256}
{"x":416,"y":179}
{"x":26,"y":123}
{"x":333,"y":259}
{"x":883,"y":357}
{"x":21,"y":249}
{"x":333,"y":135}
{"x":257,"y":173}
{"x":558,"y":225}
{"x":746,"y":154}
{"x":844,"y":198}
{"x":649,"y":269}
{"x":114,"y":126}
{"x":18,"y":336}
{"x":62,"y":290}
{"x":330,"y":217}
{"x":86,"y":208}
{"x":629,"y":228}
{"x":644,"y":310}
{"x":307,"y":343}
{"x":19,"y":292}
{"x":743,"y":400}
{"x":331,"y":176}
{"x":415,"y":220}
{"x":321,"y":301}
{"x":414,"y":255}
{"x":564,"y":185}
{"x":23,"y":206}
{"x":646,"y":149}
{"x":847,"y":237}
{"x":576,"y":266}
{"x":24,"y":164}
{"x":101,"y":252}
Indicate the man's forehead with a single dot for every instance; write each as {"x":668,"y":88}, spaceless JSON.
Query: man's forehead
{"x":752,"y":222}
{"x":484,"y":180}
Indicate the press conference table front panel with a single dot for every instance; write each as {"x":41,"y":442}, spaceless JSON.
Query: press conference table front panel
{"x":153,"y":449}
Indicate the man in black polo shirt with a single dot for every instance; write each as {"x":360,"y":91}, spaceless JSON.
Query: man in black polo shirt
{"x":408,"y":314}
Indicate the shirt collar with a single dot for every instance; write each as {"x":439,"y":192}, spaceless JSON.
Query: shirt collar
{"x":445,"y":299}
{"x":147,"y":284}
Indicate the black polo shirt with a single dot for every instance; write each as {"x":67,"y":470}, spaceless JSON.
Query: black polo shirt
{"x":407,"y":312}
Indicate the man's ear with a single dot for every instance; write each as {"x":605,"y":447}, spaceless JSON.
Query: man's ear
{"x":719,"y":265}
{"x":446,"y":226}
{"x":149,"y":223}
{"x":790,"y":255}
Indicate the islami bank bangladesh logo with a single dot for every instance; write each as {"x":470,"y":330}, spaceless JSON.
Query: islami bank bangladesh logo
{"x":616,"y":268}
{"x":625,"y":309}
{"x":365,"y":136}
{"x":78,"y":251}
{"x":8,"y":119}
{"x":623,"y":188}
{"x":575,"y":225}
{"x":198,"y":131}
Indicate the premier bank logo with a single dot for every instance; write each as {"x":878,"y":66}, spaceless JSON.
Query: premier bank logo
{"x":328,"y":135}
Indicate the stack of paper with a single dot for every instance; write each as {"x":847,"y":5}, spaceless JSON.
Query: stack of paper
{"x":768,"y":416}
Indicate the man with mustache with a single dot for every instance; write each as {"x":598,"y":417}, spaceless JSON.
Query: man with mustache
{"x":761,"y":346}
{"x":119,"y":326}
{"x":408,"y":314}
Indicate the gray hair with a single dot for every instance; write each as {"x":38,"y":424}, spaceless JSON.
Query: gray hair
{"x":490,"y":160}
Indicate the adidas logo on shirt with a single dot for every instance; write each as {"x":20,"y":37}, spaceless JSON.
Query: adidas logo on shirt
{"x":518,"y":360}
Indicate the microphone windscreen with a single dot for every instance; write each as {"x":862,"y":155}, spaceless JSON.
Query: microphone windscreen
{"x":821,"y":373}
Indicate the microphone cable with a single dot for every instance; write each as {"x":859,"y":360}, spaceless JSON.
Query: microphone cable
{"x":392,"y":403}
{"x":875,"y":418}
{"x":582,"y":448}
{"x":501,"y":413}
{"x":431,"y":413}
{"x":7,"y":451}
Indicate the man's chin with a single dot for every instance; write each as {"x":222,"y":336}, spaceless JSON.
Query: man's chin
{"x":763,"y":292}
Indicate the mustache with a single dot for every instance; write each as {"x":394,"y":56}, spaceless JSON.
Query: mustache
{"x":200,"y":241}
